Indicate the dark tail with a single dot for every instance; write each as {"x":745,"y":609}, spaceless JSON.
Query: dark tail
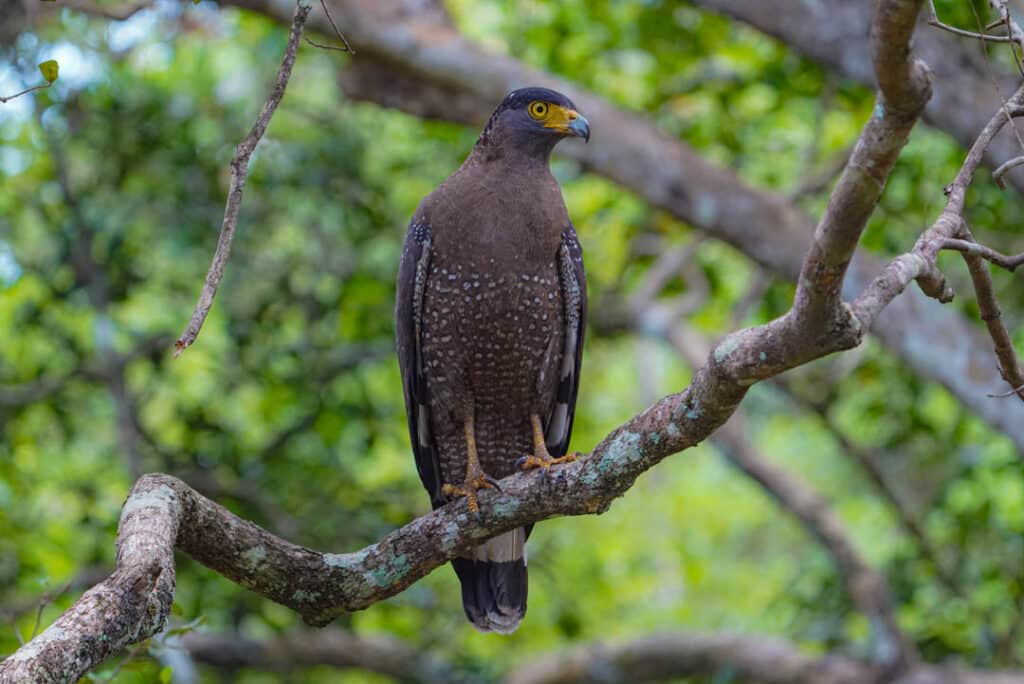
{"x":494,"y":583}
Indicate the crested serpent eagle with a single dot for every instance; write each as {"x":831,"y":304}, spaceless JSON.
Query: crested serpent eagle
{"x":490,"y":314}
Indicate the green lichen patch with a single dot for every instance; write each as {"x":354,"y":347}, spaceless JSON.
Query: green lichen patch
{"x":158,"y":497}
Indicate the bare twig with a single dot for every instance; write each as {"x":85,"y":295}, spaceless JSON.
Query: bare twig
{"x":920,"y":264}
{"x":1013,"y":31}
{"x":337,"y":32}
{"x":1005,"y":167}
{"x":938,"y":23}
{"x":239,"y":174}
{"x":970,"y":34}
{"x":1007,"y":393}
{"x":988,"y":307}
{"x":115,"y":12}
{"x":324,"y":46}
{"x":1010,"y":263}
{"x":8,"y":98}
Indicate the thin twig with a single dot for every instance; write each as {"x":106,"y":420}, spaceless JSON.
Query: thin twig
{"x":1006,"y":166}
{"x":114,"y":12}
{"x":988,"y":307}
{"x":1010,"y":263}
{"x":239,"y":174}
{"x":969,"y":34}
{"x":938,"y":23}
{"x":337,"y":32}
{"x":1013,"y":31}
{"x":1007,"y":393}
{"x":324,"y":46}
{"x":25,"y":92}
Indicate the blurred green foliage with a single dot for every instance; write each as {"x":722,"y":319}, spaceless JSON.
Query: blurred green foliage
{"x":288,"y":409}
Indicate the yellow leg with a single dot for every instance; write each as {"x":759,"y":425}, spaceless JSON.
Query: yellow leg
{"x":476,"y":478}
{"x":540,"y":458}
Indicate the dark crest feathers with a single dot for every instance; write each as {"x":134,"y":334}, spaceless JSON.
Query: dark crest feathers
{"x":518,"y":99}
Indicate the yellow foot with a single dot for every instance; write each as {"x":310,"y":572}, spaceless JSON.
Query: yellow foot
{"x":469,"y":489}
{"x":542,"y":459}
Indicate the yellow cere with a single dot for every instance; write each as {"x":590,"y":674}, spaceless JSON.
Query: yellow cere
{"x":552,"y":115}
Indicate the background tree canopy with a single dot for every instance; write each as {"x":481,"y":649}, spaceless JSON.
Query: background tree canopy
{"x":288,"y":409}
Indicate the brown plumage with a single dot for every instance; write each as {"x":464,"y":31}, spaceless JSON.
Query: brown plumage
{"x":490,"y":316}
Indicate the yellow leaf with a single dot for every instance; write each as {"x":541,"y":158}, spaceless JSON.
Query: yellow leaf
{"x":49,"y":70}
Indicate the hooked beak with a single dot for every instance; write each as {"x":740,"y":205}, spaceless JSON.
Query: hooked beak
{"x":568,"y":122}
{"x":579,"y":126}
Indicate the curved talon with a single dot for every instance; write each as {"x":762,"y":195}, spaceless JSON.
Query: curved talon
{"x":469,"y":489}
{"x":541,"y":458}
{"x":544,"y":460}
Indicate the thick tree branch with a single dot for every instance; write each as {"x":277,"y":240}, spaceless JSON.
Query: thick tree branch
{"x":333,"y":647}
{"x":904,"y":89}
{"x":754,"y":659}
{"x":239,"y":174}
{"x":747,"y":658}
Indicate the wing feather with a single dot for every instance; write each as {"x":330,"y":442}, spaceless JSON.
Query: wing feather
{"x":412,"y":282}
{"x":573,"y":282}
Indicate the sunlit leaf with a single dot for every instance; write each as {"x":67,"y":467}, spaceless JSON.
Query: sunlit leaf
{"x":49,"y":69}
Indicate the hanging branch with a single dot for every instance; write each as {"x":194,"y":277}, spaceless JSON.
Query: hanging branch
{"x":239,"y":174}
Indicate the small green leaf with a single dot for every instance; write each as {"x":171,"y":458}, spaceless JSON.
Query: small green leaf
{"x":195,"y":2}
{"x":49,"y":70}
{"x":166,"y":675}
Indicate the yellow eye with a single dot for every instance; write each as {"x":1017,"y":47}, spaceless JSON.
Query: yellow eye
{"x":538,"y":109}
